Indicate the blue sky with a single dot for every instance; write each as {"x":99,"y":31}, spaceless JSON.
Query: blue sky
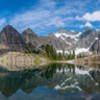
{"x":45,"y":16}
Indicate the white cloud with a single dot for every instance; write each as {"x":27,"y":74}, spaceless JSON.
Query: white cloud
{"x":56,"y":21}
{"x":31,"y":19}
{"x":48,"y":3}
{"x":87,"y":24}
{"x":78,"y":18}
{"x":47,"y":15}
{"x":2,"y":21}
{"x":95,"y":16}
{"x":40,"y":18}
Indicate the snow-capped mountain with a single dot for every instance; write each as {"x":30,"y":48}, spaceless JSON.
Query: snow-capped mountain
{"x":67,"y":34}
{"x":66,"y":41}
{"x":70,"y":38}
{"x":63,"y":40}
{"x":81,"y":42}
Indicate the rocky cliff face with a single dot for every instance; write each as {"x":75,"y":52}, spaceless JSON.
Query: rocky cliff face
{"x":59,"y":44}
{"x":85,"y":41}
{"x":11,"y":39}
{"x":37,"y":41}
{"x":96,"y":46}
{"x":69,"y":37}
{"x":87,"y":38}
{"x":81,"y":42}
{"x":30,"y":38}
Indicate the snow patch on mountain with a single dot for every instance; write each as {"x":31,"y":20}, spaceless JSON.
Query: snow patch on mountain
{"x":66,"y":41}
{"x":72,"y":36}
{"x":77,"y":51}
{"x":61,"y":51}
{"x":96,"y":38}
{"x":81,"y":50}
{"x":80,"y":42}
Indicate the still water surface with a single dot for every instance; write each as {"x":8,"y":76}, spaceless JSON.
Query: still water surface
{"x":53,"y":82}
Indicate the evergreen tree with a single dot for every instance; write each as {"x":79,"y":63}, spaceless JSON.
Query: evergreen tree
{"x":51,"y":52}
{"x":60,"y":56}
{"x":73,"y":54}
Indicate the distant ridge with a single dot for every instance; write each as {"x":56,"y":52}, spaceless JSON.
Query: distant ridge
{"x":62,"y":40}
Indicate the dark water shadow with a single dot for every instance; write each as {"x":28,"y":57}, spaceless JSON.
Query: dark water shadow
{"x":55,"y":81}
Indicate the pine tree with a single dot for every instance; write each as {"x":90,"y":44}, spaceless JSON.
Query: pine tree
{"x":73,"y":54}
{"x":51,"y":52}
{"x":60,"y":57}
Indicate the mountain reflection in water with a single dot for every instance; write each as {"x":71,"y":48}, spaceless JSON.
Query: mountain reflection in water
{"x":53,"y":82}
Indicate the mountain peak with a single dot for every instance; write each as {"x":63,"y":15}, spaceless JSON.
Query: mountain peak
{"x":51,"y":34}
{"x":61,"y":30}
{"x":87,"y":30}
{"x":10,"y":37}
{"x":9,"y":26}
{"x":29,"y":31}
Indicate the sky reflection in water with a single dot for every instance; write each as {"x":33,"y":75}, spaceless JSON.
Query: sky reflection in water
{"x":54,"y":82}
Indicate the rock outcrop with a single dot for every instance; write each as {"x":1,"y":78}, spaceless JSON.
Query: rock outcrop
{"x":88,"y":40}
{"x":10,"y":39}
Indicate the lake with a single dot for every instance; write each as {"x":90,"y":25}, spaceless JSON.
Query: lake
{"x":52,"y":82}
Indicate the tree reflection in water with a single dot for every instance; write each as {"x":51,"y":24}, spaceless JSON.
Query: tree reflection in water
{"x":63,"y":78}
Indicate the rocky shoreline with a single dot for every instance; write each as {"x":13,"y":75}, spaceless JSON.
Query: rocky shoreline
{"x":20,"y":61}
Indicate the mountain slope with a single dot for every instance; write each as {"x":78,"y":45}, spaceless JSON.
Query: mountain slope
{"x":37,"y":41}
{"x":30,"y":38}
{"x":96,"y":46}
{"x":87,"y":38}
{"x":81,"y":42}
{"x":62,"y":40}
{"x":11,"y":39}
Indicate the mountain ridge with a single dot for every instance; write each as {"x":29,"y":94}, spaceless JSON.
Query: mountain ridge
{"x":11,"y":38}
{"x":62,"y":40}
